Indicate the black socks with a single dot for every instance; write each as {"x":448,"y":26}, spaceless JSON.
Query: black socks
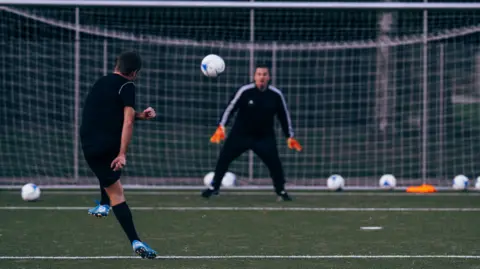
{"x":124,"y":217}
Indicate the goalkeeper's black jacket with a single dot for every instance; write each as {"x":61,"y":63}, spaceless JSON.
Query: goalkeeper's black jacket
{"x":256,"y":111}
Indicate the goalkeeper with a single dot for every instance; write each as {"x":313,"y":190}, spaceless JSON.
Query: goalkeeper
{"x":257,"y":103}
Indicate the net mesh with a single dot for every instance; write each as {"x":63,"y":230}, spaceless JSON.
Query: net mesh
{"x":354,"y":82}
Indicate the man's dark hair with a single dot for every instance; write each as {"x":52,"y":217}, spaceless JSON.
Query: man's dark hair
{"x":262,"y":65}
{"x":128,"y":62}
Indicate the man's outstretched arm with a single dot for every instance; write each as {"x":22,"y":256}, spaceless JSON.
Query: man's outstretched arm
{"x":127,"y":94}
{"x":232,"y":106}
{"x":219,"y":134}
{"x":286,"y":122}
{"x":127,"y":131}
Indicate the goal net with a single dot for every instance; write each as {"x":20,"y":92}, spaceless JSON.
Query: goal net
{"x":367,"y":92}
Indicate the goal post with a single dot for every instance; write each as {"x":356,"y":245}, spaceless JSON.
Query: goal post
{"x":373,"y":88}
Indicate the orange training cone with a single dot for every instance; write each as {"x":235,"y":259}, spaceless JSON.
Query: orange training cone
{"x":425,"y":188}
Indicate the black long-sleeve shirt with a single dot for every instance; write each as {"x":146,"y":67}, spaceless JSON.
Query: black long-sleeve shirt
{"x":257,"y":110}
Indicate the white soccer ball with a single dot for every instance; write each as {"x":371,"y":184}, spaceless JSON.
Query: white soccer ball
{"x":228,"y":180}
{"x":460,"y":182}
{"x":30,"y":192}
{"x":387,"y":181}
{"x":335,"y":182}
{"x":212,"y":65}
{"x":208,"y":178}
{"x":477,"y":183}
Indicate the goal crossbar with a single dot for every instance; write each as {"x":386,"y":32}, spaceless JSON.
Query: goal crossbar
{"x":253,"y":5}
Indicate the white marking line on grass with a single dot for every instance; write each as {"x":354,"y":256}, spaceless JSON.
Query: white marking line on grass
{"x":371,"y":228}
{"x":258,"y":193}
{"x":271,"y":257}
{"x":296,"y":209}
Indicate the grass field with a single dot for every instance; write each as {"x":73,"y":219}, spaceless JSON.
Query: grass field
{"x":245,"y":230}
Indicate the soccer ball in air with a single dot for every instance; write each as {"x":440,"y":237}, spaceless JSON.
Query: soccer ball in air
{"x":460,"y":182}
{"x":212,"y":65}
{"x":387,"y":182}
{"x":30,"y":192}
{"x":228,"y":179}
{"x":335,"y":183}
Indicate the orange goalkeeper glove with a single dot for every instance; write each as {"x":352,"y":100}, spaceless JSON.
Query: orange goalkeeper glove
{"x":293,"y":144}
{"x":219,"y":135}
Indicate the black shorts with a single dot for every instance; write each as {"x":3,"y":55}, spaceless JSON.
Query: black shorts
{"x":100,"y":163}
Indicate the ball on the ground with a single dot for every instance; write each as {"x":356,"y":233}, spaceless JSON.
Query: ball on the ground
{"x":387,"y":181}
{"x":30,"y":192}
{"x":460,"y":182}
{"x":212,"y":65}
{"x":477,"y":183}
{"x":228,"y":180}
{"x":208,"y":178}
{"x":335,"y":182}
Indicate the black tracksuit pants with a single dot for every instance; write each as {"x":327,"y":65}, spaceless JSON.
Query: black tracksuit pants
{"x":264,"y":147}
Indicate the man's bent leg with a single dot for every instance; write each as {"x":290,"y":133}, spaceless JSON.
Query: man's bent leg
{"x":121,"y":210}
{"x":105,"y":200}
{"x":109,"y":181}
{"x":232,"y":149}
{"x":100,"y":165}
{"x":266,"y":150}
{"x":103,"y":207}
{"x":124,"y":217}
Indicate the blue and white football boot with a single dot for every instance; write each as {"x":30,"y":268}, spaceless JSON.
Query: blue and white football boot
{"x":100,"y":211}
{"x":143,"y":250}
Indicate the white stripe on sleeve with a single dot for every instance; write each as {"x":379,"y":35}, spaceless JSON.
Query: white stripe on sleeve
{"x":287,"y":113}
{"x":234,"y":101}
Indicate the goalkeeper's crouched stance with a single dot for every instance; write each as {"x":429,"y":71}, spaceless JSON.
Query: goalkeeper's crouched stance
{"x":257,"y":104}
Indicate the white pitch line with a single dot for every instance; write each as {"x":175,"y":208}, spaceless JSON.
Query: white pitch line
{"x":371,"y":228}
{"x":271,"y":257}
{"x":296,"y":209}
{"x":258,"y":193}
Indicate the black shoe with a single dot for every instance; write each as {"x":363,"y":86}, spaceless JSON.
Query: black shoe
{"x":209,"y":192}
{"x":283,"y":196}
